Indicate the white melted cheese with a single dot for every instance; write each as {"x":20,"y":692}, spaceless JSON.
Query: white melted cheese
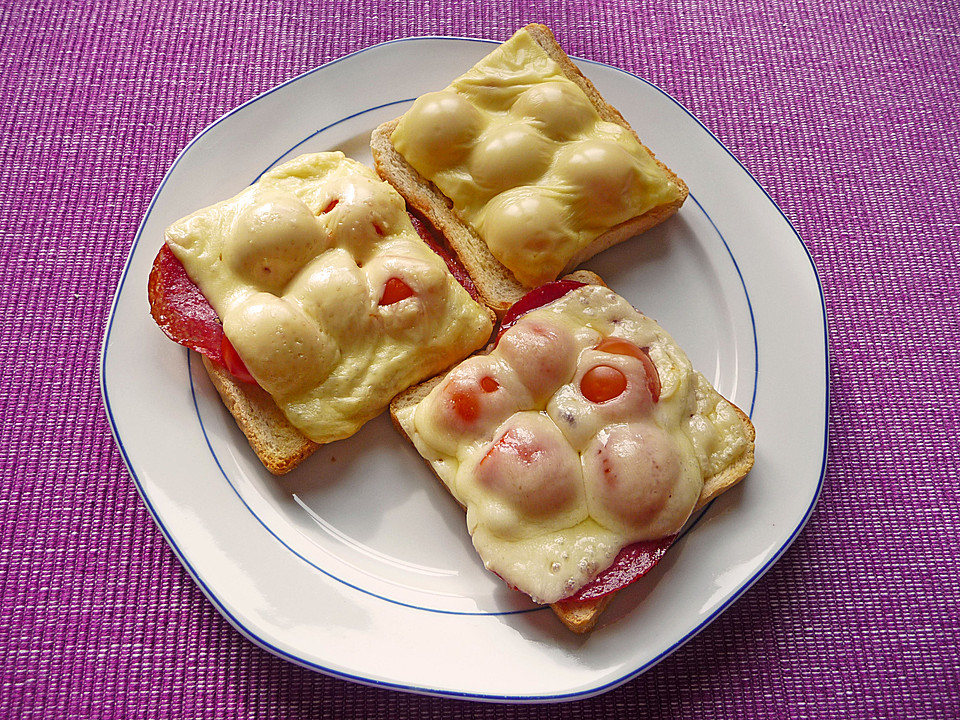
{"x":554,"y":484}
{"x":296,"y":265}
{"x":527,"y":160}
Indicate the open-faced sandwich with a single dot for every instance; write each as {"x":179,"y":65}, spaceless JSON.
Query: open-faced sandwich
{"x":314,"y":301}
{"x":524,"y":168}
{"x":579,"y":444}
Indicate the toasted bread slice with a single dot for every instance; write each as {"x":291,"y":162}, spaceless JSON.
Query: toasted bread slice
{"x":581,"y":616}
{"x":278,"y":444}
{"x":497,"y":285}
{"x":328,"y":291}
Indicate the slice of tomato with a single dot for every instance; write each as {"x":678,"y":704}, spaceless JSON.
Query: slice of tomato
{"x":180,"y":309}
{"x":466,"y":405}
{"x":234,"y":363}
{"x":619,"y":346}
{"x":394,"y":291}
{"x":602,"y":383}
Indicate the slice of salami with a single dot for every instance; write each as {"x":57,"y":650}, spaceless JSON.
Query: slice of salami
{"x":534,"y":299}
{"x":633,"y":562}
{"x":181,"y":310}
{"x":432,"y":239}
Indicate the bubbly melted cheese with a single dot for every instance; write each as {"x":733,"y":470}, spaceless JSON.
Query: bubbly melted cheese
{"x":528,"y":161}
{"x":296,"y":266}
{"x":556,"y":484}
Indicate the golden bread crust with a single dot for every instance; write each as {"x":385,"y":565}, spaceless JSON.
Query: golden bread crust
{"x":278,"y":444}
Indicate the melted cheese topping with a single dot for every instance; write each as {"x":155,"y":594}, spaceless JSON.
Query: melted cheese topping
{"x":556,"y":484}
{"x":528,"y":161}
{"x":296,"y":265}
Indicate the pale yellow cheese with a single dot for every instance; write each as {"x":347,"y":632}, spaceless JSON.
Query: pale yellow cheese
{"x":555,"y":485}
{"x":295,"y":266}
{"x":527,"y":160}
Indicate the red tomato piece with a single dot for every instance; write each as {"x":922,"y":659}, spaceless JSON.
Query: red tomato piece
{"x":602,"y":382}
{"x":394,"y":291}
{"x":619,"y":346}
{"x":464,"y":397}
{"x":465,"y":404}
{"x":519,"y":443}
{"x":234,"y":363}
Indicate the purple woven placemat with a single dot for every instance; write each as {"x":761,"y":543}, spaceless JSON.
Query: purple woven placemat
{"x":845,"y":112}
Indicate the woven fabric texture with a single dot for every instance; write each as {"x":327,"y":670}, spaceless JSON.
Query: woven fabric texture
{"x":845,"y":112}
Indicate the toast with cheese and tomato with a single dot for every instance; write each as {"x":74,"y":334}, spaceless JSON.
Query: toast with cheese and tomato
{"x":579,"y":444}
{"x":314,"y":300}
{"x":524,"y":168}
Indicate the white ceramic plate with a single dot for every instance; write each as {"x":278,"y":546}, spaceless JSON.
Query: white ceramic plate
{"x":358,"y":564}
